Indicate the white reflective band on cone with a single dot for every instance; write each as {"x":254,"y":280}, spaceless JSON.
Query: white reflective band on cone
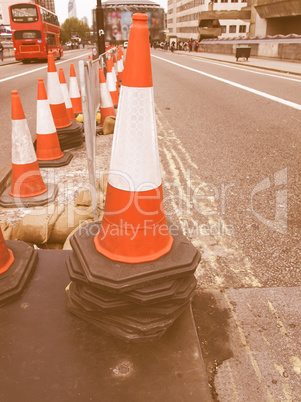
{"x":54,"y":92}
{"x":66,"y":96}
{"x":105,"y":97}
{"x":73,"y":88}
{"x":111,"y":82}
{"x":135,"y":164}
{"x":45,"y":123}
{"x":22,"y":147}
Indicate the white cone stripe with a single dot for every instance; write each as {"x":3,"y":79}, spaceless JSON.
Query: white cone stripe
{"x":66,"y":96}
{"x":54,"y":92}
{"x":105,"y":97}
{"x":119,"y":66}
{"x":111,"y":83}
{"x":114,"y":74}
{"x":45,"y":123}
{"x":73,"y":88}
{"x":22,"y":146}
{"x":135,"y":146}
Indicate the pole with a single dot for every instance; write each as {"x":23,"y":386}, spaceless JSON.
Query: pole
{"x":100,"y":28}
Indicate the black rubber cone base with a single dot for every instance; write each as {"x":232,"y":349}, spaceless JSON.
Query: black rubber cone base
{"x":49,"y":355}
{"x":7,"y":201}
{"x":63,"y":161}
{"x":112,"y":276}
{"x":15,"y":279}
{"x":70,"y":137}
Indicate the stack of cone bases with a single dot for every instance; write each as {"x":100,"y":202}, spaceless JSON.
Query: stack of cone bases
{"x":68,"y":131}
{"x":27,"y":188}
{"x":48,"y":151}
{"x":66,"y":95}
{"x":111,"y":82}
{"x":106,"y":103}
{"x":74,"y":92}
{"x":17,"y":263}
{"x":146,"y":278}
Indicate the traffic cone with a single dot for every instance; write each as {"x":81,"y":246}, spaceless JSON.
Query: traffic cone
{"x":55,"y":96}
{"x":106,"y":103}
{"x":74,"y":92}
{"x":134,"y":196}
{"x":6,"y":255}
{"x":28,"y":187}
{"x":17,"y":263}
{"x":49,"y":153}
{"x":111,"y":82}
{"x":147,"y":275}
{"x":66,"y":94}
{"x":119,"y":65}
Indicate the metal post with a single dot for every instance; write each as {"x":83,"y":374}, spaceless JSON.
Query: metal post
{"x":100,"y":28}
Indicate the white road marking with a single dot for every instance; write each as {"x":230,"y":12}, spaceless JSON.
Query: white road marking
{"x":234,"y":84}
{"x":41,"y":68}
{"x":248,"y":69}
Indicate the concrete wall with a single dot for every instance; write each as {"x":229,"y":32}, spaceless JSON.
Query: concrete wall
{"x":269,"y":49}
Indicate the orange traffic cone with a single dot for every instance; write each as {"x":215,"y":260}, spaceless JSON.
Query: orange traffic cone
{"x":66,"y":94}
{"x":134,"y":229}
{"x":26,"y":177}
{"x":6,"y":255}
{"x":17,"y":263}
{"x":55,"y":96}
{"x":49,"y":153}
{"x":28,"y":187}
{"x":111,"y":82}
{"x":74,"y":92}
{"x":119,"y":65}
{"x":106,"y":103}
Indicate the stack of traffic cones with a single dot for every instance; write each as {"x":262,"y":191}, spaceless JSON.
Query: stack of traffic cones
{"x":146,"y":278}
{"x":74,"y":92}
{"x":49,"y":153}
{"x":17,"y":263}
{"x":28,"y":188}
{"x":68,"y":131}
{"x":66,"y":95}
{"x":106,"y":103}
{"x":111,"y":82}
{"x":119,"y":65}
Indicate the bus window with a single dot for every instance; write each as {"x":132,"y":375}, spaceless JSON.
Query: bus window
{"x":51,"y":39}
{"x":27,"y":35}
{"x":24,"y":14}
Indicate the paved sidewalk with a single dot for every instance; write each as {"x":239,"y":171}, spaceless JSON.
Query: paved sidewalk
{"x":285,"y":66}
{"x":8,"y":60}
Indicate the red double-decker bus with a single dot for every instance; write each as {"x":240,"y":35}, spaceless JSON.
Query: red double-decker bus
{"x":35,"y":31}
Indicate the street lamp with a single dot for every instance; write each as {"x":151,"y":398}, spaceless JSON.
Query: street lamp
{"x":100,"y":28}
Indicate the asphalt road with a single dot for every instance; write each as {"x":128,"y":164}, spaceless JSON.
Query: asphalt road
{"x":229,"y":142}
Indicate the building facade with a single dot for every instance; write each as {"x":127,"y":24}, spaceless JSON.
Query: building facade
{"x":202,"y":19}
{"x":72,"y":9}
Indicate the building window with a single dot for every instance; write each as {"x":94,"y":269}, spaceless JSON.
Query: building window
{"x":224,"y":28}
{"x":234,"y":1}
{"x":232,"y":29}
{"x":224,"y":1}
{"x":244,"y":1}
{"x":242,"y":28}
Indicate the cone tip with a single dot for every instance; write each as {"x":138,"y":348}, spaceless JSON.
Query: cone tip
{"x":17,"y":111}
{"x":62,"y":76}
{"x":72,"y":70}
{"x":51,"y":63}
{"x":41,"y":90}
{"x":139,"y":17}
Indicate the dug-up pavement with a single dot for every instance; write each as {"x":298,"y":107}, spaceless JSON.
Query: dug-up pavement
{"x":249,"y":334}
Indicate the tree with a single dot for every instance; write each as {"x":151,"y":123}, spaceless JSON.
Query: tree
{"x":73,"y":26}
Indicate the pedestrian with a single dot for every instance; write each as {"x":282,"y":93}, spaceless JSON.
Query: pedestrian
{"x":1,"y":51}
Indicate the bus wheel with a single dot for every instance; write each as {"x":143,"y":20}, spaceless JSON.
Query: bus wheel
{"x":26,"y":61}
